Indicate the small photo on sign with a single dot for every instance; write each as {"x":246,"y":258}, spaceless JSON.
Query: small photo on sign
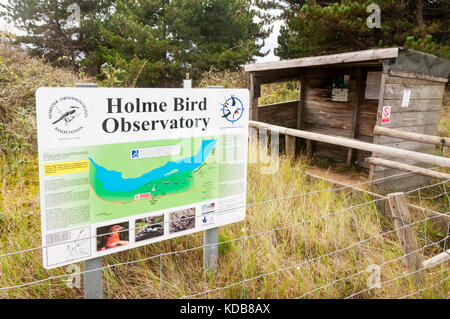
{"x":149,"y":227}
{"x":182,"y":219}
{"x":112,"y":236}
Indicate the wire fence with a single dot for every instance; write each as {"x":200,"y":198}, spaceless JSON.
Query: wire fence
{"x":350,"y":252}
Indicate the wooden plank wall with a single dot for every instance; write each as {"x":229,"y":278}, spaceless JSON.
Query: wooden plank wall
{"x":322,"y":115}
{"x":282,"y":114}
{"x":421,"y":116}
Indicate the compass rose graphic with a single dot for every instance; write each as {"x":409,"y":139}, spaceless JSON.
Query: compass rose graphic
{"x":232,"y":109}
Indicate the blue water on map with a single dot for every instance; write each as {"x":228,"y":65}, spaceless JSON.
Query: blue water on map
{"x":113,"y":180}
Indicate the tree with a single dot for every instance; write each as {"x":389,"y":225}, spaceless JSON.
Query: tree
{"x":215,"y":33}
{"x":145,"y":42}
{"x":320,"y":27}
{"x":51,"y":28}
{"x":157,"y":41}
{"x":135,"y":39}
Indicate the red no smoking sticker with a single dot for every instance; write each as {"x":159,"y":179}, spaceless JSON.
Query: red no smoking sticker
{"x":386,"y":114}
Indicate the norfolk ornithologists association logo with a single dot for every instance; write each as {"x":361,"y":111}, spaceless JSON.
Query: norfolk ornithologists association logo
{"x":67,"y":115}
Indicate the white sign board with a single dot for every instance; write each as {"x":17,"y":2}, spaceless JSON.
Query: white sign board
{"x":406,"y":97}
{"x":121,"y":168}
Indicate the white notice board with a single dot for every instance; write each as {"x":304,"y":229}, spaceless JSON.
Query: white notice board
{"x":121,"y":168}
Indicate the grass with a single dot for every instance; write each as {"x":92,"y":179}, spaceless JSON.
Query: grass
{"x":251,"y":258}
{"x":311,"y":239}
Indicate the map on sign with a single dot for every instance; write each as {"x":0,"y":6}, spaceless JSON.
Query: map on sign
{"x":122,"y":168}
{"x":167,"y":173}
{"x":171,"y":178}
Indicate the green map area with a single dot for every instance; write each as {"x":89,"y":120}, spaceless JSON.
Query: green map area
{"x":172,"y":177}
{"x":123,"y":186}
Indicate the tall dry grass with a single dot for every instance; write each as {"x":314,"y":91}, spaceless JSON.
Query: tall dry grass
{"x":312,"y":240}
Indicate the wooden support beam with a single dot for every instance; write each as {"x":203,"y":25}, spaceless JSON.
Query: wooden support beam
{"x":346,"y":142}
{"x":301,"y":102}
{"x":407,"y":168}
{"x":309,"y":148}
{"x":356,"y":110}
{"x":289,"y":142}
{"x":255,"y":93}
{"x":429,"y":139}
{"x":437,"y":260}
{"x":301,"y":112}
{"x":406,"y":235}
{"x":416,"y":76}
{"x":376,"y":138}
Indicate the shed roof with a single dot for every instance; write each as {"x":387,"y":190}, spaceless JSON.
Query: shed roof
{"x":397,"y":58}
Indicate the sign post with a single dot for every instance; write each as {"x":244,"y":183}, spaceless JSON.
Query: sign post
{"x":210,"y":236}
{"x":92,"y":268}
{"x":211,"y":250}
{"x":93,"y":278}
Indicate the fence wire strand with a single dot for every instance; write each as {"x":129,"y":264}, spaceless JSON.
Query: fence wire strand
{"x":231,"y":210}
{"x":301,"y":226}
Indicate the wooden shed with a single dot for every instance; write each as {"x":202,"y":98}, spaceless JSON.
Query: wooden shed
{"x":348,"y":94}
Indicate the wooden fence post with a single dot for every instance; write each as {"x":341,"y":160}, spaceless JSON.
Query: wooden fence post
{"x":290,"y":146}
{"x":406,"y":235}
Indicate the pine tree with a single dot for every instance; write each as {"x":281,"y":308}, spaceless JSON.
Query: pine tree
{"x":136,"y":40}
{"x":157,"y":41}
{"x":216,"y":34}
{"x":145,"y":42}
{"x":51,"y":33}
{"x":320,"y":27}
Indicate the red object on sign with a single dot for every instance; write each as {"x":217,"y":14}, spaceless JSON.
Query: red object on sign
{"x":386,"y":114}
{"x":141,"y":196}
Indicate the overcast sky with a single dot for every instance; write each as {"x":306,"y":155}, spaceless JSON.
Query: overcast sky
{"x":270,"y":43}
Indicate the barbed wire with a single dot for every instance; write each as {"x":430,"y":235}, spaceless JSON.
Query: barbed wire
{"x":242,"y":238}
{"x":423,"y":289}
{"x":233,"y":209}
{"x":308,"y":261}
{"x":278,"y":270}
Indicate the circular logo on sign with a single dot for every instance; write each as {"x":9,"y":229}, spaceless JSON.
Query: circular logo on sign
{"x":232,"y":109}
{"x":67,"y":115}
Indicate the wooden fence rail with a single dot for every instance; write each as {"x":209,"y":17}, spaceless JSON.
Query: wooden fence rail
{"x":429,"y":139}
{"x":356,"y":144}
{"x":407,"y":168}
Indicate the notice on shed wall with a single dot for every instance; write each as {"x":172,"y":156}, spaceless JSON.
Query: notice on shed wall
{"x":339,"y":91}
{"x":386,"y":114}
{"x":121,"y":168}
{"x":406,"y":97}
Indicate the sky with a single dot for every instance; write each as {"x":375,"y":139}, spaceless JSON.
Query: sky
{"x":5,"y":26}
{"x":270,"y":43}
